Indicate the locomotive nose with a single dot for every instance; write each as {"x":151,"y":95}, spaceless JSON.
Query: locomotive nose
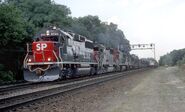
{"x":43,"y":51}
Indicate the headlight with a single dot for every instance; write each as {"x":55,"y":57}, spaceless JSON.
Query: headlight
{"x":29,"y":60}
{"x":47,"y":32}
{"x":54,"y":28}
{"x":49,"y":59}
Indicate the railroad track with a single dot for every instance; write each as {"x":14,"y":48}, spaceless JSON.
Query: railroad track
{"x":25,"y":88}
{"x":14,"y":101}
{"x":11,"y":90}
{"x":12,"y":86}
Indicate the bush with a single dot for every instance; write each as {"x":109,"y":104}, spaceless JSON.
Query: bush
{"x":6,"y":76}
{"x":181,"y":62}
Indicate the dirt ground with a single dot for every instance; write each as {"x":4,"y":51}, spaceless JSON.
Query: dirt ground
{"x":157,"y":90}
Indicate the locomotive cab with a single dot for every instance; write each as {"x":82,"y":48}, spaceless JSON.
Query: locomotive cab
{"x":46,"y":47}
{"x":43,"y":56}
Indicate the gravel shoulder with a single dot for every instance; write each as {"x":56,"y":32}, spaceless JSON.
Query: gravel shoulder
{"x":162,"y":91}
{"x":157,"y":90}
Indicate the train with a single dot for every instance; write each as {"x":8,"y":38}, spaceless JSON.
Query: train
{"x":57,"y":54}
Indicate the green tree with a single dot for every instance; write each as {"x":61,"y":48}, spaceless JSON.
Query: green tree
{"x":21,"y":19}
{"x":11,"y":26}
{"x":13,"y":33}
{"x":43,"y":13}
{"x":173,"y":58}
{"x":91,"y":25}
{"x":96,"y":30}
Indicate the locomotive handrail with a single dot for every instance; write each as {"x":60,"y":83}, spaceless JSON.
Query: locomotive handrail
{"x":43,"y":55}
{"x":27,"y":47}
{"x":56,"y":56}
{"x":34,"y":56}
{"x":25,"y":59}
{"x":60,"y":57}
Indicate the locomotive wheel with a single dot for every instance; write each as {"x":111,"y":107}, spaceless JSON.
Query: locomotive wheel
{"x":92,"y":71}
{"x":96,"y":71}
{"x":70,"y":73}
{"x":62,"y":75}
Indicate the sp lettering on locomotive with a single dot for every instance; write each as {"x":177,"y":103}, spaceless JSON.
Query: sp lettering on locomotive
{"x":41,"y":46}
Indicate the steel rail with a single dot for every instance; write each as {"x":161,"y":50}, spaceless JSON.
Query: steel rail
{"x":18,"y":87}
{"x":9,"y":103}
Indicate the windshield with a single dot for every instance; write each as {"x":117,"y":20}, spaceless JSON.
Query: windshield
{"x":48,"y":38}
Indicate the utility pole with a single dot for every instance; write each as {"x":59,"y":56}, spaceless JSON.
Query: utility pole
{"x":154,"y":52}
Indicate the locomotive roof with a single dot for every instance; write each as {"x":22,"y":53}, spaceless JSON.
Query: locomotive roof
{"x":46,"y":32}
{"x":53,"y":31}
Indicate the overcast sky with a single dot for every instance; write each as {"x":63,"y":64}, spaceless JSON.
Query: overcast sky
{"x":143,"y":21}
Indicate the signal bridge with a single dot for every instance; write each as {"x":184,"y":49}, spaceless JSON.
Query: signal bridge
{"x":144,"y":47}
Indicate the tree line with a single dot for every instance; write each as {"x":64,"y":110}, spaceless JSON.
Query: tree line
{"x":175,"y":57}
{"x":20,"y":20}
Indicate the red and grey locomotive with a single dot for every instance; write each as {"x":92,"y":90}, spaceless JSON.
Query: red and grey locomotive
{"x":57,"y":54}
